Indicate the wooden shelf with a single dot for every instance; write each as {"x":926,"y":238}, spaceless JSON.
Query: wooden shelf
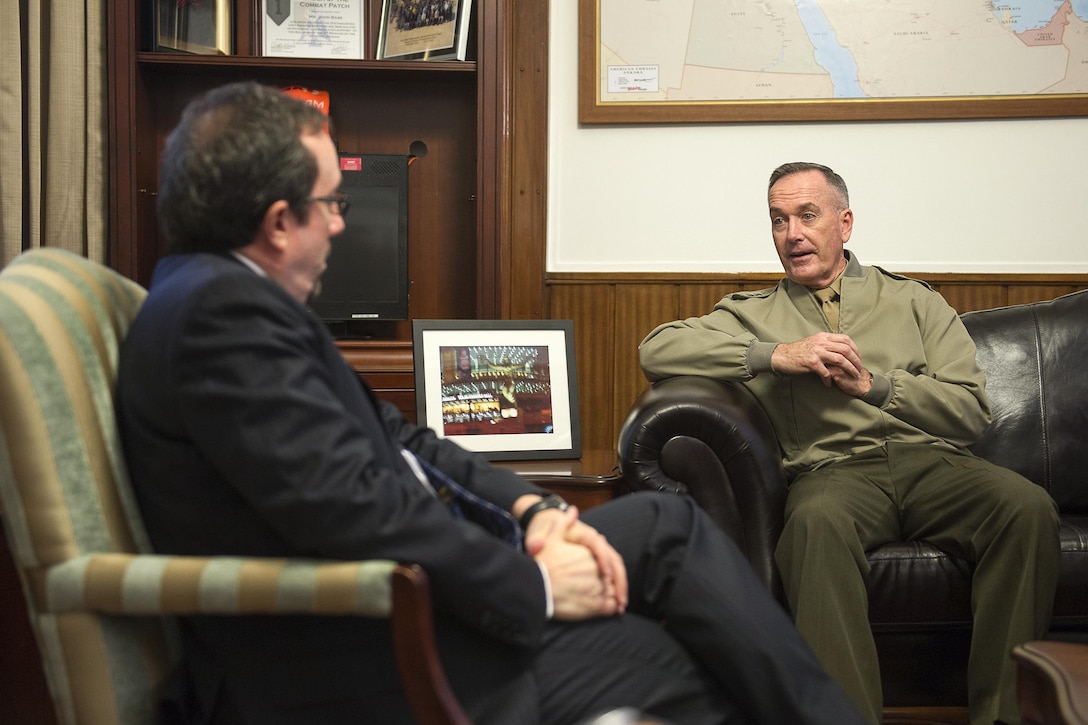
{"x":476,"y":201}
{"x":275,"y":64}
{"x":376,"y":106}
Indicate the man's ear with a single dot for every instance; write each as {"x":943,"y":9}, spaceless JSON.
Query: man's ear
{"x":846,"y":220}
{"x":276,"y":225}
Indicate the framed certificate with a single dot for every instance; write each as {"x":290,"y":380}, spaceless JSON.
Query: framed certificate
{"x":307,"y":29}
{"x":194,"y":26}
{"x":424,"y":29}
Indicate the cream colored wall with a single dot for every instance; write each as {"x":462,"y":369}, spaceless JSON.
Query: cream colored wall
{"x":956,"y":196}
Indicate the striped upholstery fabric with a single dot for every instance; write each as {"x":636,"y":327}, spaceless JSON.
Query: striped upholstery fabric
{"x":79,"y":546}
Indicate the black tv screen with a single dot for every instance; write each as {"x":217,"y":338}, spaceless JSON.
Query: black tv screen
{"x":367,"y":274}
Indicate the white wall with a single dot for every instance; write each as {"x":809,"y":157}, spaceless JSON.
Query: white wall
{"x":957,"y":196}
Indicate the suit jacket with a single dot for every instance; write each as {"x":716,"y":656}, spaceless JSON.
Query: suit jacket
{"x":246,"y":433}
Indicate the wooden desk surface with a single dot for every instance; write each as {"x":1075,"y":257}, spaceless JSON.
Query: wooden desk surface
{"x":585,"y":482}
{"x":594,"y":464}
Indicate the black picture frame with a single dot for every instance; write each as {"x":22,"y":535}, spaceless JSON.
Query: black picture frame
{"x":507,"y":389}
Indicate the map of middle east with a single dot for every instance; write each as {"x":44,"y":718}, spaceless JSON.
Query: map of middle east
{"x":709,"y":50}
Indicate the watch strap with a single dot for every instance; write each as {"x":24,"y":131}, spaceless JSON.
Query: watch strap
{"x":551,"y":501}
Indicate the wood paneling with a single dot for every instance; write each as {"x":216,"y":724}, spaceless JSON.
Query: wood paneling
{"x":596,"y":397}
{"x":387,"y":367}
{"x":1023,"y":294}
{"x":639,"y":309}
{"x":695,"y":300}
{"x":613,"y":313}
{"x":967,"y":297}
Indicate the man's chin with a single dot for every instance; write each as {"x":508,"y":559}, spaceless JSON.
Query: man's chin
{"x":802,"y":269}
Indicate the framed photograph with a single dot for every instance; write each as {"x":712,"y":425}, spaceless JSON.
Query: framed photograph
{"x":194,"y":26}
{"x":424,"y":29}
{"x":504,"y":388}
{"x":829,"y":60}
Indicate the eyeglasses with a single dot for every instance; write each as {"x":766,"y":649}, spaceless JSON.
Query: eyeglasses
{"x":339,"y":202}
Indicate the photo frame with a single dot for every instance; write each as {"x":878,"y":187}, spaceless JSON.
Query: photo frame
{"x":505,"y":388}
{"x":631,"y":75}
{"x":194,"y":26}
{"x":424,"y":29}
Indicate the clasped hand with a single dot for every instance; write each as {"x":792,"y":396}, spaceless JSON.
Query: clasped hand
{"x":834,"y":358}
{"x":588,"y":577}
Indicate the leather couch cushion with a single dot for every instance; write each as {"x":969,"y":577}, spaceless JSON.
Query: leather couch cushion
{"x":1036,"y":377}
{"x":1033,"y":357}
{"x":914,"y":584}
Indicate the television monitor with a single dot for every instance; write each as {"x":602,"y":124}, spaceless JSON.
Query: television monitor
{"x":367,"y":274}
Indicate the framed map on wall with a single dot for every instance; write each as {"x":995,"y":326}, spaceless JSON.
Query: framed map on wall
{"x":667,"y":61}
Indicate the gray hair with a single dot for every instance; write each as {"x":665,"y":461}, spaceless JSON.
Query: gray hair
{"x":796,"y":167}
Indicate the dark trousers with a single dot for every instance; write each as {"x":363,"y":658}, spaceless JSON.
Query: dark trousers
{"x":990,"y":516}
{"x":703,"y":641}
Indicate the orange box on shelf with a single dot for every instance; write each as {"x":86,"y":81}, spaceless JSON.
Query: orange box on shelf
{"x":314,"y":98}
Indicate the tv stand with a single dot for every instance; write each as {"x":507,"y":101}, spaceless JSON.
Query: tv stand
{"x":361,"y":330}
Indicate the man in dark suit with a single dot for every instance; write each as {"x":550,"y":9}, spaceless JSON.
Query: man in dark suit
{"x":246,"y":433}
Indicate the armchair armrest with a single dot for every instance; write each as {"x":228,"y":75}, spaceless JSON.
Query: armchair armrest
{"x":147,"y":584}
{"x":712,"y":440}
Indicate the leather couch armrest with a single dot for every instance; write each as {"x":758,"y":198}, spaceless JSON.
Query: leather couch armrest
{"x":712,"y":440}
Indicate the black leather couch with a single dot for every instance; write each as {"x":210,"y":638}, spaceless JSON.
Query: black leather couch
{"x":711,"y":439}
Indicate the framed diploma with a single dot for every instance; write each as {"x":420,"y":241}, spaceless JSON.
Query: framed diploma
{"x":424,"y":29}
{"x":313,"y":28}
{"x":194,"y":26}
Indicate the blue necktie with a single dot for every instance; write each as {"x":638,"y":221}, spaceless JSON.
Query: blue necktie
{"x":467,"y":505}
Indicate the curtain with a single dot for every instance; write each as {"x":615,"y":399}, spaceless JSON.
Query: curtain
{"x":53,"y":126}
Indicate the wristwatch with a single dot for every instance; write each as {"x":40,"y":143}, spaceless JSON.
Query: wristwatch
{"x":551,"y":501}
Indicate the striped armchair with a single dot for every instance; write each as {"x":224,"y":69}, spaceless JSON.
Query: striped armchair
{"x":99,"y":601}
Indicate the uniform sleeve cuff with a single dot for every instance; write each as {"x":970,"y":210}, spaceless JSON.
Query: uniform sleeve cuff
{"x":880,"y":393}
{"x":758,"y":359}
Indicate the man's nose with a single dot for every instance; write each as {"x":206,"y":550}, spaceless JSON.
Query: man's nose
{"x":793,"y":228}
{"x":336,"y":225}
